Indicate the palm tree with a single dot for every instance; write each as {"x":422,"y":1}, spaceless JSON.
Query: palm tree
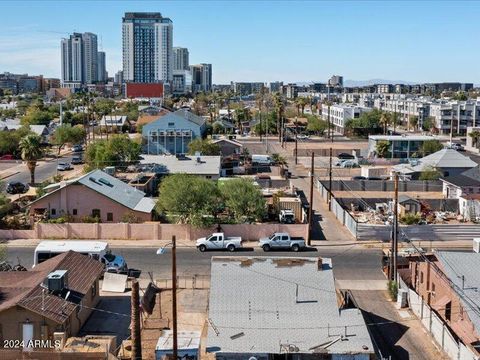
{"x":384,"y":121}
{"x":279,"y":108}
{"x":382,"y":148}
{"x":31,"y":153}
{"x":475,"y":135}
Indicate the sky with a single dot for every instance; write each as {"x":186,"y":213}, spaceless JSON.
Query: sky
{"x":290,"y":41}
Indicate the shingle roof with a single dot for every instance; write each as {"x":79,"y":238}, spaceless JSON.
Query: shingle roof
{"x":447,"y":158}
{"x":24,"y":288}
{"x":258,"y":303}
{"x":467,"y":264}
{"x":112,"y":188}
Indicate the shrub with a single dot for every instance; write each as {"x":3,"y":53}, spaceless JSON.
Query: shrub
{"x":393,"y":289}
{"x":88,"y":219}
{"x":410,"y":219}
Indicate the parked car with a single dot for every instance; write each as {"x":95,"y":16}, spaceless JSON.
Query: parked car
{"x":359,"y":178}
{"x":16,"y":187}
{"x":64,"y":167}
{"x":7,"y":157}
{"x":218,"y":241}
{"x":303,"y":137}
{"x":339,"y":162}
{"x":349,"y":164}
{"x":77,"y":148}
{"x":262,"y":159}
{"x":286,"y":216}
{"x":345,"y":156}
{"x":455,"y":146}
{"x":282,"y":241}
{"x":77,"y":160}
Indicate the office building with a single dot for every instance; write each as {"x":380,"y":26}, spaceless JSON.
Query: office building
{"x":101,"y":68}
{"x":275,"y":86}
{"x":118,"y":79}
{"x":180,"y":59}
{"x":182,"y":82}
{"x":201,"y":77}
{"x":147,"y":48}
{"x":336,"y":81}
{"x":20,"y":83}
{"x":247,"y":88}
{"x":79,"y":55}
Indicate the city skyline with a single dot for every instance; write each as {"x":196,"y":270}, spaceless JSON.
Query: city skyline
{"x":399,"y":40}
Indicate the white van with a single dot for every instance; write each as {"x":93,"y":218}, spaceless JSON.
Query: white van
{"x":262,"y":159}
{"x":97,"y":250}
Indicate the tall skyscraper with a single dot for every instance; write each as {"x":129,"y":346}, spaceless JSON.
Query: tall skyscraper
{"x":79,"y":59}
{"x":147,"y":40}
{"x":201,"y":77}
{"x":180,"y":59}
{"x":101,"y":67}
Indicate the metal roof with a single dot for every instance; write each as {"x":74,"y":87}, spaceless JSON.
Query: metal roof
{"x":458,"y":264}
{"x":187,"y":340}
{"x":447,"y":158}
{"x":189,"y":116}
{"x":112,"y":188}
{"x":259,"y":305}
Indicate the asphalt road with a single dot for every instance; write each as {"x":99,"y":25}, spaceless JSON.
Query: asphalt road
{"x":349,"y":262}
{"x":43,"y":172}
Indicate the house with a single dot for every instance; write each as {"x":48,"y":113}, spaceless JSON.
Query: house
{"x":30,"y":305}
{"x":401,"y":146}
{"x":469,"y":207}
{"x":407,"y":205}
{"x":115,"y":123}
{"x":171,"y":134}
{"x":266,"y":307}
{"x":229,"y":147}
{"x":448,"y":284}
{"x":466,"y":183}
{"x":95,"y":194}
{"x":150,"y":114}
{"x":447,"y":162}
{"x":205,"y":166}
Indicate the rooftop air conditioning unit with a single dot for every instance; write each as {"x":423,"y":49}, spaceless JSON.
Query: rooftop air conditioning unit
{"x":56,"y":281}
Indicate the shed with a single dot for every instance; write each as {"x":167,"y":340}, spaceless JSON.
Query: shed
{"x":408,"y":205}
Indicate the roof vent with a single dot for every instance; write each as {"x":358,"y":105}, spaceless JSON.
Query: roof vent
{"x":105,"y":182}
{"x":56,"y":281}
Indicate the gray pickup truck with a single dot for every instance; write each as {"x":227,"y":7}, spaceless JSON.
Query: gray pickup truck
{"x":282,"y":241}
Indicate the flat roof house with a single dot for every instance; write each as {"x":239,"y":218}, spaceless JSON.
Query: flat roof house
{"x":30,"y":307}
{"x":264,"y":307}
{"x":206,"y":166}
{"x":171,"y":133}
{"x":95,"y":194}
{"x":401,"y":146}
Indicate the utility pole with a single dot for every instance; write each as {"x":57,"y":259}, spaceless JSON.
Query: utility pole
{"x":310,"y":208}
{"x":394,"y":252}
{"x":174,"y":296}
{"x":135,"y":324}
{"x":296,"y":143}
{"x":330,"y":183}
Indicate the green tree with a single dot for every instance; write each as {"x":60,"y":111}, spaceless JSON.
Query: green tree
{"x":413,"y":122}
{"x":66,"y":134}
{"x":243,"y":200}
{"x":217,"y":128}
{"x":316,"y":125}
{"x":31,"y":153}
{"x":384,"y":121}
{"x":430,"y":147}
{"x":428,"y":124}
{"x":190,"y":199}
{"x":204,"y":146}
{"x":37,"y":116}
{"x":119,"y":151}
{"x":382,"y":148}
{"x":10,"y":140}
{"x":430,"y":173}
{"x":475,"y":135}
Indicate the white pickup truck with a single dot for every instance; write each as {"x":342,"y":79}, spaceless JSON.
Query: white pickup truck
{"x":282,"y":241}
{"x":219,"y":241}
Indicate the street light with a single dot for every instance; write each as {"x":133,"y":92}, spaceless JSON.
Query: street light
{"x":162,"y":251}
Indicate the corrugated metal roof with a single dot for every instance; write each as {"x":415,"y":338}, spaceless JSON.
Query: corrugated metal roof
{"x":82,"y":273}
{"x":458,"y":264}
{"x":258,"y":304}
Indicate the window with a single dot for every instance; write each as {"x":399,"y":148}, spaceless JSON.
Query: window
{"x":53,"y":211}
{"x":109,"y":216}
{"x":96,"y":213}
{"x":448,"y":311}
{"x":74,"y":211}
{"x":213,"y":238}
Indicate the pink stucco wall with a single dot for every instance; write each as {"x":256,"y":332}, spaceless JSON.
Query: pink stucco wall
{"x":84,"y":200}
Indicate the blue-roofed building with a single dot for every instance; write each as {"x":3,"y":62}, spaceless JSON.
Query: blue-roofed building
{"x":171,"y":134}
{"x":95,"y":194}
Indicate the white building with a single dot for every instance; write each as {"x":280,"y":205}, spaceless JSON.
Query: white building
{"x":459,"y":114}
{"x":180,"y":59}
{"x":341,"y":113}
{"x":79,"y":60}
{"x":147,"y":48}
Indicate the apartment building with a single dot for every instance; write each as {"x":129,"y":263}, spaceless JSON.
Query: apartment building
{"x":456,"y":114}
{"x":339,"y":115}
{"x":405,"y":108}
{"x":247,"y":88}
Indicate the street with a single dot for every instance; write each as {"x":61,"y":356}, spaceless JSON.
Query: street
{"x":349,"y":262}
